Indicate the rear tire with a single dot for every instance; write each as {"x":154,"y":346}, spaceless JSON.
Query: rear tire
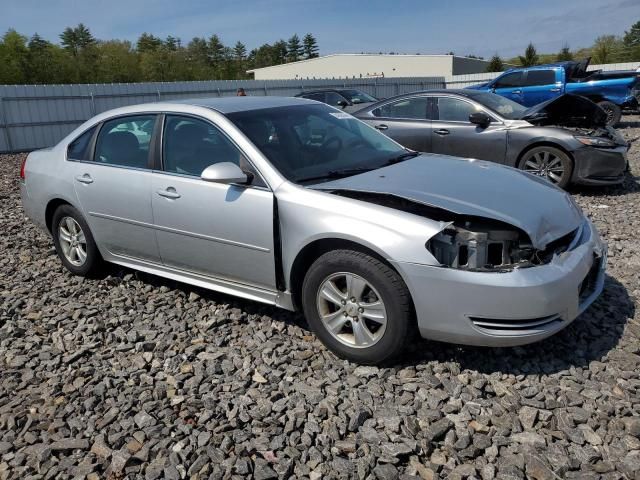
{"x":358,"y":306}
{"x":549,"y":163}
{"x":74,"y":242}
{"x":613,"y":111}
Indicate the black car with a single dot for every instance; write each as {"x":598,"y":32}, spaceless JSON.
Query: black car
{"x":565,"y":140}
{"x":348,"y":99}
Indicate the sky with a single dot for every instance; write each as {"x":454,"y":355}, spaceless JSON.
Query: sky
{"x":341,"y":26}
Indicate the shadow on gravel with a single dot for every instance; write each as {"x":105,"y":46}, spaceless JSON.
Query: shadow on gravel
{"x":590,"y":337}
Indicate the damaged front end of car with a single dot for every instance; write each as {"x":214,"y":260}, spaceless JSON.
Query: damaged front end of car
{"x":473,"y":243}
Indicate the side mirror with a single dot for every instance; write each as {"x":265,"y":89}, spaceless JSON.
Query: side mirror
{"x":343,"y":103}
{"x":224,"y":172}
{"x":480,"y":118}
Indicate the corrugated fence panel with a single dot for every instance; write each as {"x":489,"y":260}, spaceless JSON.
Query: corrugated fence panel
{"x":36,"y":116}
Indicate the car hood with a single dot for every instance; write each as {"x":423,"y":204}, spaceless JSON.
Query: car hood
{"x":567,"y":111}
{"x":476,"y":188}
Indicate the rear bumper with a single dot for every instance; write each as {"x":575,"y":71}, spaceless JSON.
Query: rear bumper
{"x":507,"y":309}
{"x":29,"y":207}
{"x":600,"y":166}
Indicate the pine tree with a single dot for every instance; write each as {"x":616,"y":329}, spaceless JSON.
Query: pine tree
{"x":495,"y":64}
{"x":530,"y":57}
{"x":309,"y":46}
{"x":294,"y":48}
{"x":564,"y":54}
{"x":216,"y":51}
{"x":76,"y":39}
{"x":240,"y":51}
{"x":632,"y":37}
{"x":148,"y":43}
{"x":279,"y":52}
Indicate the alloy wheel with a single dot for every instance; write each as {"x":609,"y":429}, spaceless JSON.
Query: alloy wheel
{"x":72,"y":241}
{"x":545,"y":164}
{"x":351,"y":310}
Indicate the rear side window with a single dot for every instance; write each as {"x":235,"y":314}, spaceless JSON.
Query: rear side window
{"x":408,"y":108}
{"x":125,"y":141}
{"x":315,"y":96}
{"x":509,"y":80}
{"x":540,"y":77}
{"x":80,"y":148}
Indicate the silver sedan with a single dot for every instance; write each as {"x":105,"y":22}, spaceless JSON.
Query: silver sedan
{"x":294,"y":203}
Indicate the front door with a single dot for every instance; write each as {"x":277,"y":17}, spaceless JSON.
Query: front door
{"x":453,"y":133}
{"x":405,"y":121}
{"x":509,"y":85}
{"x":217,"y":230}
{"x":114,"y":186}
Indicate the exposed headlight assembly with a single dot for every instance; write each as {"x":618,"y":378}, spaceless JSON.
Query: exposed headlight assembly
{"x":598,"y":142}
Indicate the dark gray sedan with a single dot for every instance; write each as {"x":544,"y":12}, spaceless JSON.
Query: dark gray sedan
{"x":564,"y":140}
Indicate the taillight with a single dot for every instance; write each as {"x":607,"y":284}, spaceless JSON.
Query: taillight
{"x":22,"y":165}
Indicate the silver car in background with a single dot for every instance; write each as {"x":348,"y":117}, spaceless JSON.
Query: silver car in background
{"x":297,"y":204}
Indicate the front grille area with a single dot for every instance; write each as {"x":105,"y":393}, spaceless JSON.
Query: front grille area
{"x":590,"y":282}
{"x":514,"y":326}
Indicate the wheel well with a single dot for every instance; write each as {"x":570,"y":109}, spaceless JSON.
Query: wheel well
{"x":545,"y":144}
{"x":52,"y":206}
{"x":312,"y":252}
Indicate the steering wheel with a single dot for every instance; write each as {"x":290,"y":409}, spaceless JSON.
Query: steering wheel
{"x":336,"y":146}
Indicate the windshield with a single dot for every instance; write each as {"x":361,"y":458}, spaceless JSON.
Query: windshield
{"x":356,"y":96}
{"x":309,"y":143}
{"x":503,"y":106}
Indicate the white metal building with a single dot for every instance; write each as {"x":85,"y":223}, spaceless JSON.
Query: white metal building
{"x":348,"y":65}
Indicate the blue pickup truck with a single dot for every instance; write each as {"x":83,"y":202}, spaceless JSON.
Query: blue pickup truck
{"x":612,"y":91}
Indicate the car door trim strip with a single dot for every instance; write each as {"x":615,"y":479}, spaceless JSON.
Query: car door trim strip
{"x":180,"y":232}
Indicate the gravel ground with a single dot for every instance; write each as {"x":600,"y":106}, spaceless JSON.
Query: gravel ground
{"x":134,"y":376}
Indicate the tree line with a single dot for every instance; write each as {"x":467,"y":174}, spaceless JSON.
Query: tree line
{"x":605,"y":49}
{"x":81,"y":58}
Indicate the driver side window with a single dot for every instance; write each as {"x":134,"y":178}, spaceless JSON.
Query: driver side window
{"x":509,"y":80}
{"x":190,"y":145}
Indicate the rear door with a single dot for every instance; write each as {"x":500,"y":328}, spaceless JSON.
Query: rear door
{"x":113,"y":184}
{"x":453,"y":133}
{"x":509,"y":85}
{"x":541,"y":84}
{"x":404,"y":120}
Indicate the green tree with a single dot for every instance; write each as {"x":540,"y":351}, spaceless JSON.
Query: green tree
{"x":148,"y":43}
{"x":279,"y":52}
{"x":216,"y":53}
{"x":564,"y":54}
{"x":530,"y":57}
{"x":172,"y":43}
{"x":632,"y":36}
{"x":495,"y":64}
{"x":240,"y":51}
{"x":13,"y":58}
{"x":117,"y":62}
{"x":309,"y":46}
{"x":294,"y":49}
{"x":77,"y":39}
{"x":605,"y":49}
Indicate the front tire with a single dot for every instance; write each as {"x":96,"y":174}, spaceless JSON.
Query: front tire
{"x":549,"y":163}
{"x":358,"y":306}
{"x":74,"y":242}
{"x":613,"y":111}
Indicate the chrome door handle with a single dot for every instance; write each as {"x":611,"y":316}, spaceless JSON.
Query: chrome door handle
{"x":554,"y":90}
{"x":517,"y":91}
{"x":381,"y":127}
{"x":441,"y":131}
{"x":86,"y":178}
{"x":168,"y":193}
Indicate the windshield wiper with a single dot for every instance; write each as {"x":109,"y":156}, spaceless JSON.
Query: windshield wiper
{"x":401,"y":157}
{"x":331,"y":174}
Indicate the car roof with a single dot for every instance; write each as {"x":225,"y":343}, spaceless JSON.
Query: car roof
{"x":242,"y":104}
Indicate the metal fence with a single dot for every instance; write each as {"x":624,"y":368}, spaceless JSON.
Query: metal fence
{"x":36,"y":116}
